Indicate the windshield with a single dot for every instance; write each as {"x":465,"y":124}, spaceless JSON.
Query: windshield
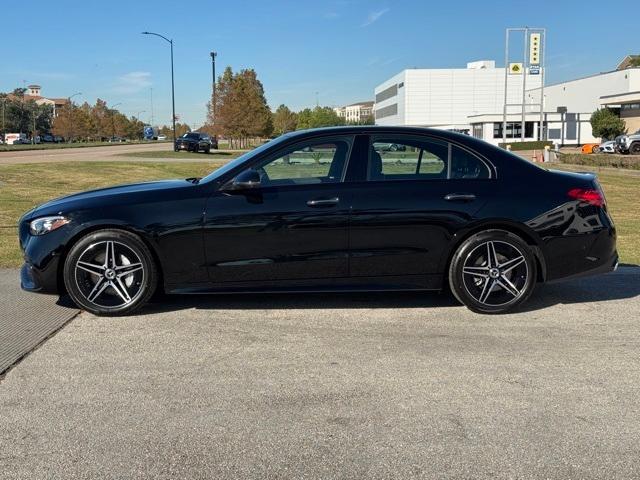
{"x":190,"y":135}
{"x":243,"y":158}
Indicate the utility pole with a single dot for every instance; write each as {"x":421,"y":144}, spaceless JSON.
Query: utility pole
{"x":213,"y":85}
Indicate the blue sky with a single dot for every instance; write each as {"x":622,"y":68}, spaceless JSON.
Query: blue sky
{"x":340,"y":49}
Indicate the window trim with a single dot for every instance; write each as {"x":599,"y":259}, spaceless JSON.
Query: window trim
{"x":450,"y":144}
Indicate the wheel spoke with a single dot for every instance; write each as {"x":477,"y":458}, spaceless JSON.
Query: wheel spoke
{"x":477,"y":271}
{"x":110,"y":256}
{"x":121,"y":290}
{"x":90,"y":267}
{"x":486,"y":290}
{"x":97,"y":290}
{"x":505,"y":283}
{"x":492,"y":258}
{"x":124,"y":270}
{"x":511,"y":264}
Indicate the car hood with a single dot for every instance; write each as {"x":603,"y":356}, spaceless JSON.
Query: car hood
{"x":103,"y":195}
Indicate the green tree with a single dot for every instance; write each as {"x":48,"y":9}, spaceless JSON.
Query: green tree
{"x":240,"y":110}
{"x":318,"y":117}
{"x":606,"y":124}
{"x":305,"y":119}
{"x":284,"y":120}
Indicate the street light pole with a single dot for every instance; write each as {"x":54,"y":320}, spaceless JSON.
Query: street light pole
{"x":173,"y":96}
{"x":113,"y":122}
{"x":213,"y":86}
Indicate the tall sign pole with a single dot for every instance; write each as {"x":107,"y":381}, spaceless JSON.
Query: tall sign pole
{"x":506,"y":81}
{"x":534,"y":40}
{"x":525,"y":64}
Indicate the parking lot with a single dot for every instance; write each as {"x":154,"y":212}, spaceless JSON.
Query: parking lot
{"x":394,"y":385}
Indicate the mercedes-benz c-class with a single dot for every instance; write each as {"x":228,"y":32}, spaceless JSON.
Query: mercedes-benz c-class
{"x":331,"y":209}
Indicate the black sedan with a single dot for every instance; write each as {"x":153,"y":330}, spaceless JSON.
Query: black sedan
{"x":195,"y":142}
{"x":328,"y":210}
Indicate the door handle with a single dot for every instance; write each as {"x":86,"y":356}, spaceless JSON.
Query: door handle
{"x":323,"y":202}
{"x":460,"y":197}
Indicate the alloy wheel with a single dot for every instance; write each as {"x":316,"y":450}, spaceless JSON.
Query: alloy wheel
{"x":495,"y":273}
{"x":109,"y":274}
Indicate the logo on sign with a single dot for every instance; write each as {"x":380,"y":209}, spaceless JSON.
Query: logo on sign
{"x":534,"y":70}
{"x":515,"y":68}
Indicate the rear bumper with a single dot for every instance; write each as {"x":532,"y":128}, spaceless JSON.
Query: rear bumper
{"x":609,"y":265}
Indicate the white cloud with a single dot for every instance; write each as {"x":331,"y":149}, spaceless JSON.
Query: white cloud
{"x":132,"y":82}
{"x":374,"y":16}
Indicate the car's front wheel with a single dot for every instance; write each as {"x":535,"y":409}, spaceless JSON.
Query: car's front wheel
{"x":110,"y":272}
{"x":493,"y":271}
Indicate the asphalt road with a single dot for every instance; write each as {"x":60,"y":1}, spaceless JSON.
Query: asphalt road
{"x":336,"y":386}
{"x":105,"y":153}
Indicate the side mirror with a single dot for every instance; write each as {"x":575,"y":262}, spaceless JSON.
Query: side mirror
{"x":246,"y":180}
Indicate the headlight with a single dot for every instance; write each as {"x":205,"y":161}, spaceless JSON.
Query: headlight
{"x":43,"y":225}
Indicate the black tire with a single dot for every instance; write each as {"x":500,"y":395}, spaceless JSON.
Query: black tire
{"x":635,"y":148}
{"x":595,"y":149}
{"x":110,"y":272}
{"x":493,"y":271}
{"x":207,"y":150}
{"x":195,"y":148}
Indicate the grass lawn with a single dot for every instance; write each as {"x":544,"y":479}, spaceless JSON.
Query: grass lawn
{"x":24,"y":186}
{"x":214,"y":155}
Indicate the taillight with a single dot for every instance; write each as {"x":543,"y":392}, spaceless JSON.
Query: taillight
{"x":592,"y":197}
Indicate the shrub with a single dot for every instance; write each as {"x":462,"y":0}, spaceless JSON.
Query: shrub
{"x":535,"y":145}
{"x":615,"y":161}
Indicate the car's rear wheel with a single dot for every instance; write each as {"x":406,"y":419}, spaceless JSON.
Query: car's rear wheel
{"x":492,"y":272}
{"x":635,"y":148}
{"x":110,"y":272}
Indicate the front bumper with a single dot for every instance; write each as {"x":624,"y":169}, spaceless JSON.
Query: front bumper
{"x":33,"y":279}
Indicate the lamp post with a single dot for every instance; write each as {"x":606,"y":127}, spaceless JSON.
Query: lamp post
{"x":173,"y":97}
{"x":113,"y":123}
{"x":213,"y":86}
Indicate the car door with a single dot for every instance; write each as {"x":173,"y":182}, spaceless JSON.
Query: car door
{"x":289,"y":224}
{"x":418,"y":192}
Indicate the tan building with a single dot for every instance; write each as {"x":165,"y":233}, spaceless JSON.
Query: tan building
{"x":356,"y":112}
{"x":34,"y":93}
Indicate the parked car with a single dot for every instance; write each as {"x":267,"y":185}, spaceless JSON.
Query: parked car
{"x":15,"y":138}
{"x":607,"y":147}
{"x":195,"y":142}
{"x":390,"y":147}
{"x":116,"y":139}
{"x":590,"y":148}
{"x":162,"y":137}
{"x":58,"y":139}
{"x":464,"y":215}
{"x":47,"y":138}
{"x":629,"y":143}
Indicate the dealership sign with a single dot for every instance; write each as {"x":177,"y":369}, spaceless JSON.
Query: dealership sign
{"x":534,"y":70}
{"x":534,"y":49}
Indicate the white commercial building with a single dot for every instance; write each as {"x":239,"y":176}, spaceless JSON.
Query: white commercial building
{"x":472,"y":100}
{"x":446,"y":98}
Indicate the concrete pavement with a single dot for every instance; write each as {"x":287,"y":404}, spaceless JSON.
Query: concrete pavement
{"x":394,"y":385}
